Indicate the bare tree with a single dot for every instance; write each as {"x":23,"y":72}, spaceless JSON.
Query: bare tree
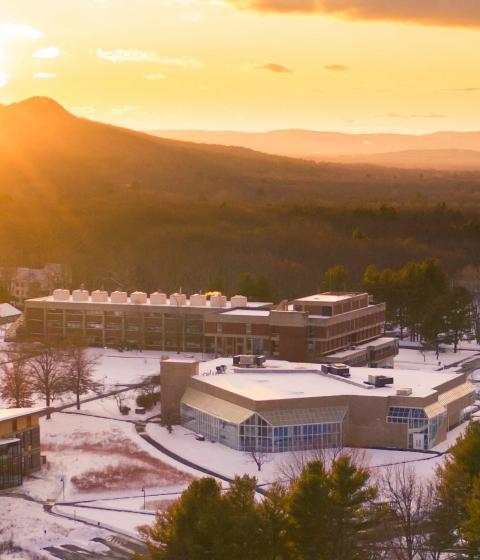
{"x":290,"y":468}
{"x":80,"y":370}
{"x":409,"y":503}
{"x":47,"y":369}
{"x":15,"y":383}
{"x":258,"y":457}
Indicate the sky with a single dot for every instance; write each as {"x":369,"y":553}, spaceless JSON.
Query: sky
{"x":406,"y":66}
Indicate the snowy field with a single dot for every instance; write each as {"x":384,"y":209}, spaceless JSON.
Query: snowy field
{"x":101,"y":471}
{"x":31,"y":529}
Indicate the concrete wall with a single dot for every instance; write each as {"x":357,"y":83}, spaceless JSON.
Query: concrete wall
{"x":174,"y":379}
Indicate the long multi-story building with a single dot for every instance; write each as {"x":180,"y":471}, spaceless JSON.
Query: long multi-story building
{"x":313,"y":328}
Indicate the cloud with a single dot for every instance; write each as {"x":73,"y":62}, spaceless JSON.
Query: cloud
{"x":467,"y":89}
{"x":416,"y":116}
{"x":4,"y":79}
{"x":336,"y":67}
{"x":277,"y":68}
{"x":156,"y":76}
{"x":10,"y":31}
{"x":47,"y":52}
{"x":82,"y":110}
{"x":128,"y":109}
{"x":134,"y":55}
{"x":44,"y":75}
{"x":430,"y":12}
{"x":191,"y":17}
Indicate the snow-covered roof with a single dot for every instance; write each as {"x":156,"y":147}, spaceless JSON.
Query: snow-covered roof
{"x":248,"y":312}
{"x":12,"y":413}
{"x":7,"y":310}
{"x":286,"y":380}
{"x":328,"y":297}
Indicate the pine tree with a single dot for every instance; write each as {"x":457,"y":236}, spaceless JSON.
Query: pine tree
{"x":309,"y":510}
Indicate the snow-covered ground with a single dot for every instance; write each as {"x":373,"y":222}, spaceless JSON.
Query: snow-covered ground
{"x":32,"y":529}
{"x":100,"y":461}
{"x":426,"y":359}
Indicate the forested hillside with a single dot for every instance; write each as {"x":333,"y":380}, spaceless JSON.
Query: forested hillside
{"x":123,"y":208}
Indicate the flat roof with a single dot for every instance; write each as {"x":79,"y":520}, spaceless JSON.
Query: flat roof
{"x":359,"y":347}
{"x":285,"y":380}
{"x":49,"y":299}
{"x":12,"y":413}
{"x":248,"y":312}
{"x":329,"y":297}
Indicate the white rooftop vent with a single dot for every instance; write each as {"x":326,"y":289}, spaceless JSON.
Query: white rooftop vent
{"x":158,"y":299}
{"x":99,"y":296}
{"x":404,"y":391}
{"x":239,"y":301}
{"x":198,"y":300}
{"x":80,"y":295}
{"x":61,"y":295}
{"x":178,"y":299}
{"x":118,"y":297}
{"x":138,"y":298}
{"x":218,"y":300}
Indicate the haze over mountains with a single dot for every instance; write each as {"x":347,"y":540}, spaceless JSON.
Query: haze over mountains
{"x":46,"y":151}
{"x":440,"y":150}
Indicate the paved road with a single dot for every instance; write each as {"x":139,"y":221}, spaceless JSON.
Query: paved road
{"x":119,"y":548}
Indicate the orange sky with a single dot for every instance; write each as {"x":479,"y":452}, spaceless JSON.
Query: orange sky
{"x":348,"y":65}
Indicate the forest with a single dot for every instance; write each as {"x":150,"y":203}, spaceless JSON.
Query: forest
{"x":130,"y":210}
{"x":139,"y":241}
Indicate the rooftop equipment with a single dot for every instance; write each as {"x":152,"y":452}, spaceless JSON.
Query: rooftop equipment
{"x":198,"y":300}
{"x":378,"y":380}
{"x":404,"y":391}
{"x":218,"y":300}
{"x":248,"y":360}
{"x":118,"y":297}
{"x":138,"y":297}
{"x":158,"y":299}
{"x":99,"y":296}
{"x":80,"y":295}
{"x":339,"y":369}
{"x":61,"y":295}
{"x":239,"y":301}
{"x":178,"y":299}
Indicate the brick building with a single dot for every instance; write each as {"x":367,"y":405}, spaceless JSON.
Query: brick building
{"x":308,"y":329}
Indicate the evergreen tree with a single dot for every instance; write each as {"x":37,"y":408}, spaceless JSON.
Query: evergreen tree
{"x":353,"y":513}
{"x":192,"y":528}
{"x":310,"y":512}
{"x":335,"y":279}
{"x":457,"y":481}
{"x":458,"y":315}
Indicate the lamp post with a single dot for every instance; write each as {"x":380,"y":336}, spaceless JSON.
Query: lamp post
{"x":62,"y":480}
{"x":144,"y":503}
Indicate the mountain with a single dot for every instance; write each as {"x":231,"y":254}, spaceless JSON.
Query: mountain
{"x":420,"y":159}
{"x":45,"y":149}
{"x":350,"y":148}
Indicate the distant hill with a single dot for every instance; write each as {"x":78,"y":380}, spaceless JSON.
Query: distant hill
{"x":50,"y":154}
{"x":420,"y":159}
{"x":413,"y":151}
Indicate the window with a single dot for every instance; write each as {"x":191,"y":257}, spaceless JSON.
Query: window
{"x":219,"y":328}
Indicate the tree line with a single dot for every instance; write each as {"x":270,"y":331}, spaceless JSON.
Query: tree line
{"x":47,"y":370}
{"x":332,"y":508}
{"x":420,"y":298}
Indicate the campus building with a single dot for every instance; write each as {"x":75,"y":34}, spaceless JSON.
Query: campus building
{"x":286,"y":406}
{"x":19,"y":444}
{"x":310,"y":329}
